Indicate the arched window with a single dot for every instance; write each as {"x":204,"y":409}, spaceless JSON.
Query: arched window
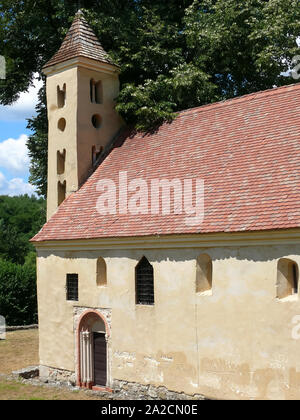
{"x":92,"y":90}
{"x":96,"y":152}
{"x":96,"y":91}
{"x":204,"y":274}
{"x":101,"y":272}
{"x":61,"y":96}
{"x":144,"y":281}
{"x":61,"y":192}
{"x":61,"y":159}
{"x":287,"y":278}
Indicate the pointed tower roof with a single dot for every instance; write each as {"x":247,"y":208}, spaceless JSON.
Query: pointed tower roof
{"x":80,"y":41}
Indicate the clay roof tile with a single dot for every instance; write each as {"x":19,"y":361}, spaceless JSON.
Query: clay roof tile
{"x":246,"y":150}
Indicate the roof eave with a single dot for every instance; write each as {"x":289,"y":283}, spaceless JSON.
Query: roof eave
{"x":81,"y":61}
{"x":192,"y":240}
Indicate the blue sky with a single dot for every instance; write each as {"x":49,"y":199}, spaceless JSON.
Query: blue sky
{"x":14,"y":160}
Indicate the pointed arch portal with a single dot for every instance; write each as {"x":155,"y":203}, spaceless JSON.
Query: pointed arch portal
{"x":92,"y":337}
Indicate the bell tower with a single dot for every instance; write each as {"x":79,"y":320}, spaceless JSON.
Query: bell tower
{"x":82,"y":85}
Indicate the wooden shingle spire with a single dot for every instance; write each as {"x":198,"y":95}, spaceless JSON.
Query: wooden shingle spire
{"x":80,"y":41}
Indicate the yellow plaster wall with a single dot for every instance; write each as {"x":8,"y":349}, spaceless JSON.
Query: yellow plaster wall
{"x":236,"y":343}
{"x":80,"y":135}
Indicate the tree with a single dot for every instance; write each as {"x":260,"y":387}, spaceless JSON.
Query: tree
{"x":38,"y":145}
{"x":20,"y":219}
{"x":18,"y":303}
{"x":244,"y":46}
{"x":173,"y":55}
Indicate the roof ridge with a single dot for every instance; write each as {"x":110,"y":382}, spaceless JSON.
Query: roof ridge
{"x":242,"y":98}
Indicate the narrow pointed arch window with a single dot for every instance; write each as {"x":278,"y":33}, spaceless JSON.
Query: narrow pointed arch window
{"x":144,"y":280}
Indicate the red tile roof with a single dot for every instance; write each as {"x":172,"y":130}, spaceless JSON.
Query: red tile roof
{"x":246,"y":150}
{"x":80,"y":41}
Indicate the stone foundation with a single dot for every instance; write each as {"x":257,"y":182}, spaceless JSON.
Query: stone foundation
{"x":49,"y":374}
{"x":121,"y":389}
{"x":134,"y":391}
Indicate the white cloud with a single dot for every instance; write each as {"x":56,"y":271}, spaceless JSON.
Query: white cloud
{"x":15,"y":186}
{"x":24,"y":107}
{"x":14,"y":155}
{"x":2,"y":181}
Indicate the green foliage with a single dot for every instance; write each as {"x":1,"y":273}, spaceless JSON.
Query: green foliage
{"x":245,"y":46}
{"x":147,"y":106}
{"x":20,"y":219}
{"x":30,"y":259}
{"x":38,"y":146}
{"x":173,"y":54}
{"x":18,"y":293}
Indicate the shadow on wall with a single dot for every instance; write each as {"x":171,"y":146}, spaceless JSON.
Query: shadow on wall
{"x":254,"y":253}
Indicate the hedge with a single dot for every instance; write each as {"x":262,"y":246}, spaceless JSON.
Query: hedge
{"x":18,"y":301}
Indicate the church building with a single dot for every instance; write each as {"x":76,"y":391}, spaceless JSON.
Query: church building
{"x":169,"y":262}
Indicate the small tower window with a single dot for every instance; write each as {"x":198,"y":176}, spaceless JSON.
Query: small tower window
{"x":61,"y":125}
{"x":101,"y":272}
{"x":61,"y":158}
{"x":287,"y":278}
{"x":204,"y":274}
{"x":92,"y":90}
{"x":96,"y":152}
{"x":96,"y":92}
{"x":144,"y":283}
{"x":72,"y":287}
{"x":61,"y":192}
{"x":61,"y":96}
{"x":96,"y":121}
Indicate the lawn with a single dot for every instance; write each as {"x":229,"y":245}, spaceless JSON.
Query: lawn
{"x":15,"y":390}
{"x":20,"y":350}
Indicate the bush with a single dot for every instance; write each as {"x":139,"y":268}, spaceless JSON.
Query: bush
{"x":18,"y":301}
{"x":21,"y":218}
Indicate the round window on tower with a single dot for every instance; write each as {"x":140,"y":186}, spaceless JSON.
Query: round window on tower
{"x":96,"y":121}
{"x":62,"y":124}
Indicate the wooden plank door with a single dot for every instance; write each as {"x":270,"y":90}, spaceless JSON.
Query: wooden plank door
{"x":100,"y":360}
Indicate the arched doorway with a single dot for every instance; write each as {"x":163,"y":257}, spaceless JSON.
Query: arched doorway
{"x":92,"y":336}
